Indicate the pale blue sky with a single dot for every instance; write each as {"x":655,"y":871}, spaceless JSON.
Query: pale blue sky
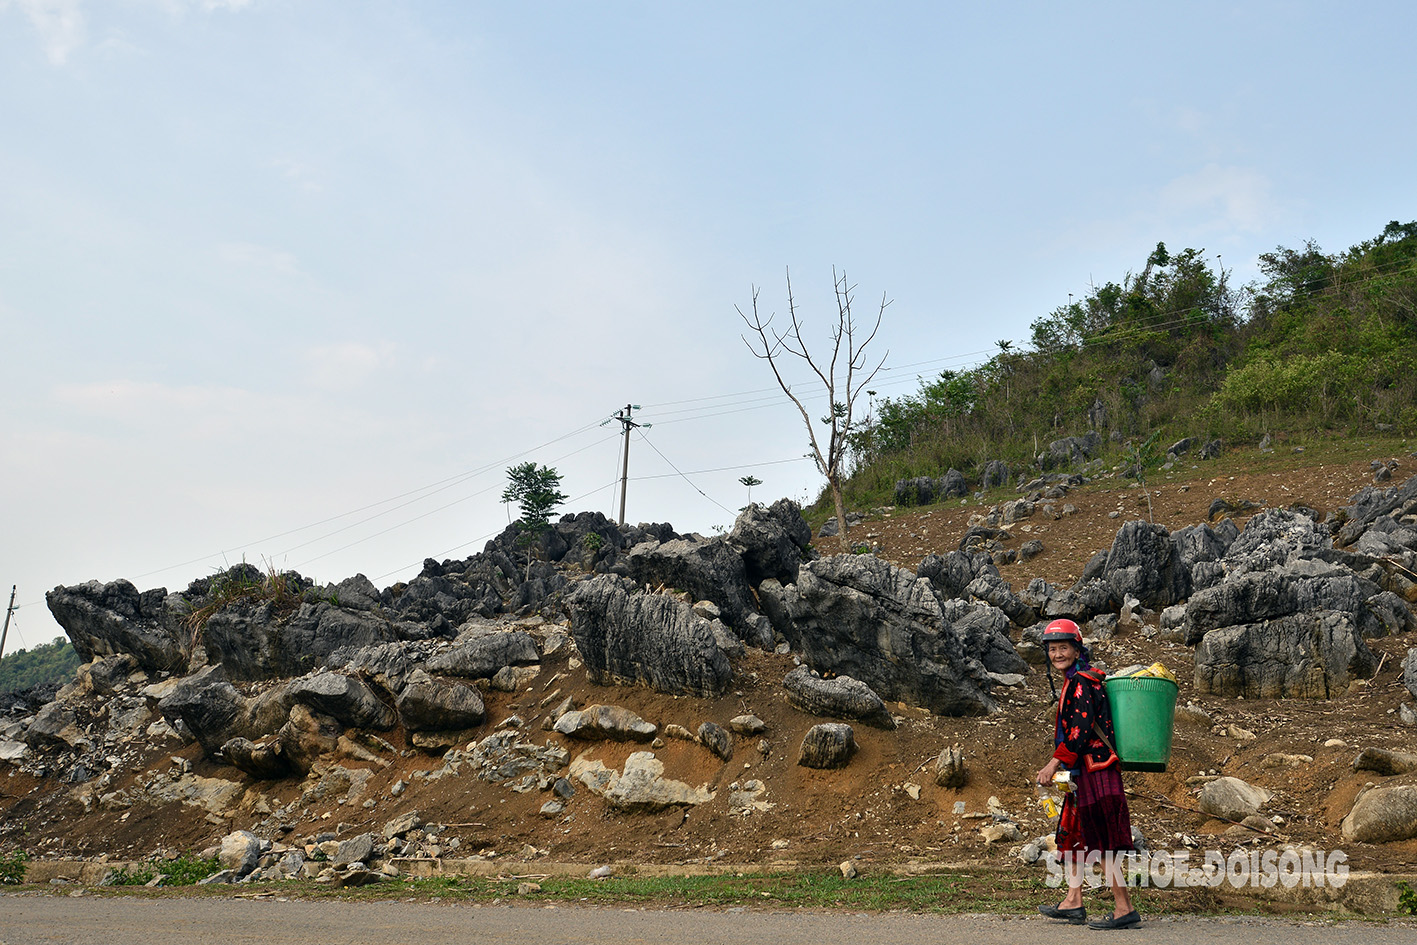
{"x":266,"y":262}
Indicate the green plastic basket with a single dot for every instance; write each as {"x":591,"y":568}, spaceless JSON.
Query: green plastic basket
{"x":1143,"y":715}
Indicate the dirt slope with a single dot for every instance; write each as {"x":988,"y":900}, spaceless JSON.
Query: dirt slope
{"x":884,"y":807}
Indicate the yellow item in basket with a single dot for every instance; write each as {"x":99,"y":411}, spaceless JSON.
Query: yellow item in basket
{"x":1154,"y":671}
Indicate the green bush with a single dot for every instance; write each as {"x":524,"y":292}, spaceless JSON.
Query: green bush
{"x":186,"y":870}
{"x":13,"y":868}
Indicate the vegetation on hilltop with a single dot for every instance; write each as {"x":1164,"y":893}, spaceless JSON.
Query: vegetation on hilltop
{"x":46,"y":663}
{"x":1325,"y":344}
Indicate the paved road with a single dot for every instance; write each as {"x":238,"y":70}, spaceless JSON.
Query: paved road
{"x":31,"y":919}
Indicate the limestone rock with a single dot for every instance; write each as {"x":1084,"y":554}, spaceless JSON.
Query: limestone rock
{"x":858,"y":616}
{"x":716,"y":739}
{"x":1383,"y":815}
{"x":841,"y":697}
{"x":346,"y":698}
{"x":773,"y":541}
{"x":481,"y":656}
{"x":240,"y":851}
{"x":950,"y":771}
{"x":605,"y":721}
{"x":628,"y":637}
{"x":427,"y":704}
{"x":1385,"y":762}
{"x":641,"y":786}
{"x":829,"y":745}
{"x":114,"y":618}
{"x":747,"y":725}
{"x":1232,"y":799}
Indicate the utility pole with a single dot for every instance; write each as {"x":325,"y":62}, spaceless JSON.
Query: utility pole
{"x":10,"y":610}
{"x":625,"y":417}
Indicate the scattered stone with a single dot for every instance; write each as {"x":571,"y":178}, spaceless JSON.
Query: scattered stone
{"x":841,"y":697}
{"x":829,"y":745}
{"x":716,"y":739}
{"x":1384,"y":762}
{"x":605,"y":721}
{"x":949,"y":768}
{"x":1232,"y":799}
{"x":848,"y":869}
{"x":747,"y":725}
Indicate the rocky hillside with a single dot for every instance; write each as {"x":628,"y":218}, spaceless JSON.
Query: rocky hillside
{"x":639,"y":695}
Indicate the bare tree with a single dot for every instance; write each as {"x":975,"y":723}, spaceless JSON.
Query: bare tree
{"x":843,"y":377}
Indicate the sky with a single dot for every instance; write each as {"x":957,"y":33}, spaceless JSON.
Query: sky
{"x":294,"y":282}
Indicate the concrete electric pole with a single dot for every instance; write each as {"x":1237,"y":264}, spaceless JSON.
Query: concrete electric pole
{"x":625,"y":417}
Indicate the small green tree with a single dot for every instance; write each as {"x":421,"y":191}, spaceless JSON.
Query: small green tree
{"x":750,"y":481}
{"x":537,"y":491}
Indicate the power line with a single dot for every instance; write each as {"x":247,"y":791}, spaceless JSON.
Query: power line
{"x":686,"y":478}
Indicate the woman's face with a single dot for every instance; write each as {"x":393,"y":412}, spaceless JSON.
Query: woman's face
{"x":1062,"y":654}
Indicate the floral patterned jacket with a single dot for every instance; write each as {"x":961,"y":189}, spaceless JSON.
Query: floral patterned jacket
{"x":1082,"y":703}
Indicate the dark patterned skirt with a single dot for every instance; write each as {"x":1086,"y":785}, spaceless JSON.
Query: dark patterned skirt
{"x":1095,"y":815}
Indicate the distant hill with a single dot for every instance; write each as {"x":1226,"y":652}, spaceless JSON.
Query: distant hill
{"x":1325,"y":345}
{"x":48,"y":662}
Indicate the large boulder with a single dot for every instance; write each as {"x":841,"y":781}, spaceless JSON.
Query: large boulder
{"x":1143,"y":563}
{"x":710,"y":570}
{"x":479,"y":655}
{"x":306,"y":736}
{"x":997,"y":592}
{"x":628,"y":637}
{"x":432,"y":705}
{"x":859,"y":616}
{"x":209,"y":706}
{"x":1383,"y":815}
{"x":114,"y":618}
{"x":773,"y":541}
{"x":254,"y":641}
{"x":1300,"y":586}
{"x":840,"y":697}
{"x":1233,"y":799}
{"x":984,"y":630}
{"x":1301,"y":656}
{"x":346,"y":698}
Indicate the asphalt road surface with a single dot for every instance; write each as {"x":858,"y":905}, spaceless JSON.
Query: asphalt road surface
{"x":30,"y":919}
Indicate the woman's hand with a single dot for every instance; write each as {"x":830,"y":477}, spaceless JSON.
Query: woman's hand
{"x":1045,"y":773}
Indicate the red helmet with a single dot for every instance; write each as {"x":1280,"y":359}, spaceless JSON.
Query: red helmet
{"x":1063,"y":631}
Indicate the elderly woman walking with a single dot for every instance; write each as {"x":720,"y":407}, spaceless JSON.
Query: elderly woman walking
{"x":1095,"y":824}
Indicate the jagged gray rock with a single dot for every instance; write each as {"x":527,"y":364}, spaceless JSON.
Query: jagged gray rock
{"x":859,"y":616}
{"x":114,"y":618}
{"x":481,"y":655}
{"x":984,"y":631}
{"x":1310,"y":655}
{"x":429,"y":705}
{"x":716,"y":739}
{"x":346,"y":698}
{"x":641,"y":786}
{"x":1273,"y":538}
{"x":1301,"y":586}
{"x":773,"y":541}
{"x":951,"y":574}
{"x":241,"y":851}
{"x":841,"y":697}
{"x":627,"y":637}
{"x":1143,"y":563}
{"x":829,"y":745}
{"x":306,"y":736}
{"x":999,"y":593}
{"x":708,"y":569}
{"x":1409,"y":671}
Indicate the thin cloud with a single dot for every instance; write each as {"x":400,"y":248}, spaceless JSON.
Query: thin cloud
{"x":60,"y":24}
{"x":259,"y":257}
{"x":347,"y":364}
{"x":1228,"y":198}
